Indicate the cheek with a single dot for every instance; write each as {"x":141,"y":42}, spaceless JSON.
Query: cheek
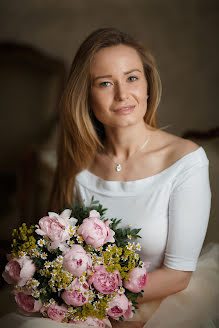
{"x":100,"y":104}
{"x":96,"y":102}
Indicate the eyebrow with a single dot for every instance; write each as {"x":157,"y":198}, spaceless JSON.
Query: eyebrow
{"x":106,"y":76}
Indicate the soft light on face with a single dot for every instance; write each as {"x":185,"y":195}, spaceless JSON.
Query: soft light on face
{"x":118,"y":95}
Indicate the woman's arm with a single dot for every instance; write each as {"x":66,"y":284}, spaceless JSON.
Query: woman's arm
{"x":189,"y":208}
{"x":163,"y":282}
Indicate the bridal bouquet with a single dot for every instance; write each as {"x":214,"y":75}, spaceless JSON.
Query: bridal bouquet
{"x":76,"y":269}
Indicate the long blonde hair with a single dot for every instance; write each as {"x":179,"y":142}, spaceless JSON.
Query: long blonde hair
{"x":80,"y":134}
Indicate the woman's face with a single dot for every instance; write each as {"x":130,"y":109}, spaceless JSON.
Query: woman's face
{"x":118,"y":94}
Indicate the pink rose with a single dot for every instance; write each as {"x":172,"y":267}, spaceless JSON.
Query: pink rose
{"x":27,"y":303}
{"x":56,"y":312}
{"x":55,"y":227}
{"x":93,"y":322}
{"x":19,"y":270}
{"x":105,"y":282}
{"x":96,"y":232}
{"x":137,"y":280}
{"x":72,"y":296}
{"x":76,"y":260}
{"x":119,"y":306}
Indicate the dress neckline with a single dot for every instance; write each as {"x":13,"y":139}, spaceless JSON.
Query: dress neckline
{"x":178,"y":162}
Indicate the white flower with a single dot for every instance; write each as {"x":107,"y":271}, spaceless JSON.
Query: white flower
{"x":69,"y":275}
{"x":35,"y":293}
{"x":129,"y":246}
{"x":59,"y":259}
{"x":47,"y":265}
{"x":109,"y":247}
{"x":19,"y":288}
{"x":43,"y":256}
{"x":22,"y":254}
{"x":46,"y":304}
{"x":82,"y":279}
{"x":34,"y":283}
{"x":138,"y":246}
{"x":79,"y":239}
{"x":136,"y":256}
{"x":52,"y":301}
{"x":51,"y":283}
{"x":72,"y":230}
{"x":70,"y":242}
{"x":41,"y":242}
{"x":121,"y":290}
{"x":42,"y":290}
{"x":35,"y":253}
{"x":71,"y":310}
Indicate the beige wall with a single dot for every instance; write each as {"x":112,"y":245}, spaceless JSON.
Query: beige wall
{"x":182,"y":35}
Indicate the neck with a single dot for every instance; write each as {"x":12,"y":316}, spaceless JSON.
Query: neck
{"x":122,"y":143}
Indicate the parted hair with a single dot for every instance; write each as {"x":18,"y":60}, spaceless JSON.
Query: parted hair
{"x":80,"y":135}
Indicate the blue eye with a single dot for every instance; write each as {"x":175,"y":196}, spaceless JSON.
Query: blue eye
{"x":104,"y":84}
{"x":132,"y":78}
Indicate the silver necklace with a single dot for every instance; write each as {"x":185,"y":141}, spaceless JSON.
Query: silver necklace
{"x":119,"y":165}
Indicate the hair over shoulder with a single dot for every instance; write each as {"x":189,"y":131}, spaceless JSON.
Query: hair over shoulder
{"x":80,"y":134}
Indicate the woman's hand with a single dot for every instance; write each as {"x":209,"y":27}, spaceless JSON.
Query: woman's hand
{"x":127,"y":324}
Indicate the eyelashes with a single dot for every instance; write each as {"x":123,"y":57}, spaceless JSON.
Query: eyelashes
{"x":132,"y":78}
{"x":107,"y":83}
{"x":104,"y":84}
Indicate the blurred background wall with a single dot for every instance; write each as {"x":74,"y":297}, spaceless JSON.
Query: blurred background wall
{"x":182,"y":34}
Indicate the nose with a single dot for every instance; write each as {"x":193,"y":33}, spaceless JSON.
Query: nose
{"x":121,"y":92}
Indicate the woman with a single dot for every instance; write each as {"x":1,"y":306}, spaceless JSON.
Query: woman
{"x":111,"y":148}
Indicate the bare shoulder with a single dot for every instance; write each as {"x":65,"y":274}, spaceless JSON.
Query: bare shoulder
{"x":176,"y":147}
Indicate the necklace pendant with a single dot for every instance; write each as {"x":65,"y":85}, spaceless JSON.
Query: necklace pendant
{"x":118,"y":168}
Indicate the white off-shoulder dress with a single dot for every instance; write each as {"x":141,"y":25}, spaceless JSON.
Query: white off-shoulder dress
{"x":172,"y":209}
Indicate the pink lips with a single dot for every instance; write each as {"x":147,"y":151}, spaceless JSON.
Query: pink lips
{"x":124,"y":109}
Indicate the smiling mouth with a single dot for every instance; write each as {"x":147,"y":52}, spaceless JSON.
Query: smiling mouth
{"x":124,"y":109}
